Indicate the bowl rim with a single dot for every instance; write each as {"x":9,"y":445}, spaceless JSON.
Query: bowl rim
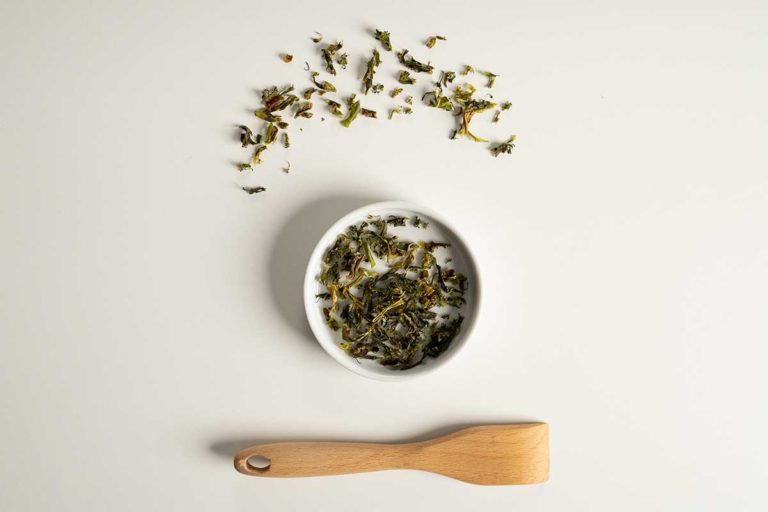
{"x":310,"y":285}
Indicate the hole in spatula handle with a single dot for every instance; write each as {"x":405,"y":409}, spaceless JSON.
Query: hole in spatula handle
{"x":258,"y":462}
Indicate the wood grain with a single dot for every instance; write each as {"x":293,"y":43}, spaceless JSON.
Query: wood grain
{"x":486,"y":455}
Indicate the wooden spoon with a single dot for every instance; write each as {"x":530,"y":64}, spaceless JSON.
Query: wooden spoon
{"x":486,"y":455}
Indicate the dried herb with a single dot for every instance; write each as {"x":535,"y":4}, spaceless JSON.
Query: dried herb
{"x":256,"y":158}
{"x":409,"y":100}
{"x":496,"y":116}
{"x":504,"y":147}
{"x":383,"y":37}
{"x":334,"y":107}
{"x":286,"y":140}
{"x":303,"y":110}
{"x":377,"y":88}
{"x":368,"y":113}
{"x":491,"y":78}
{"x":438,"y":100}
{"x":323,"y":86}
{"x":406,"y":78}
{"x":270,"y":133}
{"x":394,"y":92}
{"x":447,"y":77}
{"x":432,"y":40}
{"x":467,"y":70}
{"x":352,"y":112}
{"x":254,"y":190}
{"x":401,"y":315}
{"x":400,"y":110}
{"x":341,"y":60}
{"x":469,"y":107}
{"x":286,"y":57}
{"x":328,"y":53}
{"x":370,"y":71}
{"x":506,"y":105}
{"x":417,"y":222}
{"x":246,"y":136}
{"x":317,"y":38}
{"x":411,"y":63}
{"x":242,"y":167}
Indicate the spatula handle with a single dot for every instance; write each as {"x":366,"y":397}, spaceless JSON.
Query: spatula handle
{"x":318,"y":459}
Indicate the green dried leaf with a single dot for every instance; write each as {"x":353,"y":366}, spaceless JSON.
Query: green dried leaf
{"x":368,"y":113}
{"x":267,"y":116}
{"x":432,"y":40}
{"x":242,"y":167}
{"x":323,"y":86}
{"x":377,"y":88}
{"x":246,"y":136}
{"x":354,"y":110}
{"x":406,"y":78}
{"x":256,"y":158}
{"x":254,"y":190}
{"x":400,"y":110}
{"x":303,"y":110}
{"x":370,"y":71}
{"x":409,"y":100}
{"x":383,"y":37}
{"x":334,"y":107}
{"x":286,"y":140}
{"x":504,"y":147}
{"x":438,"y":100}
{"x":341,"y":60}
{"x":491,"y":78}
{"x":447,"y":77}
{"x":467,"y":70}
{"x":394,"y":92}
{"x":506,"y":105}
{"x":328,"y":53}
{"x":411,"y":63}
{"x":270,"y":133}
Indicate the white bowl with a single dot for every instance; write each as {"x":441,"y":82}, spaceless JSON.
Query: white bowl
{"x":439,"y":230}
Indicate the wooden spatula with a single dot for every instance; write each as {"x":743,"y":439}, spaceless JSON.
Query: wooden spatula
{"x":486,"y":455}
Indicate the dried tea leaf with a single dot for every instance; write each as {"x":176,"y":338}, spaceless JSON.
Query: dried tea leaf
{"x":286,"y":57}
{"x":491,"y":78}
{"x":447,"y":77}
{"x":400,"y":110}
{"x":383,"y":37}
{"x":432,"y":40}
{"x":267,"y":116}
{"x":270,"y":133}
{"x":323,"y":86}
{"x":438,"y":100}
{"x":467,"y":70}
{"x":354,"y":109}
{"x":496,"y":116}
{"x":394,"y":92}
{"x":368,"y":113}
{"x":469,"y":107}
{"x":242,"y":167}
{"x":377,"y":88}
{"x":406,"y":78}
{"x":370,"y":71}
{"x":417,"y":222}
{"x":409,"y":100}
{"x":256,"y":158}
{"x":411,"y":63}
{"x":328,"y":53}
{"x":506,"y":105}
{"x":286,"y":140}
{"x":341,"y":60}
{"x":504,"y":147}
{"x":282,"y":125}
{"x":254,"y":190}
{"x":303,"y":110}
{"x":390,"y":316}
{"x":334,"y":107}
{"x":246,"y":136}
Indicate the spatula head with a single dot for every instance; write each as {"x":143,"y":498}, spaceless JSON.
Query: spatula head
{"x":490,"y":455}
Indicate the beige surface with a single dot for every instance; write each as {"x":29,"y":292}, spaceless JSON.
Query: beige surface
{"x":150,"y":314}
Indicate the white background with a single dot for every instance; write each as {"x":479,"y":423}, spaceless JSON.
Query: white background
{"x":150,"y":313}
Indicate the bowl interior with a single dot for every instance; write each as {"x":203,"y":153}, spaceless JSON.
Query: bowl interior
{"x":438,"y":231}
